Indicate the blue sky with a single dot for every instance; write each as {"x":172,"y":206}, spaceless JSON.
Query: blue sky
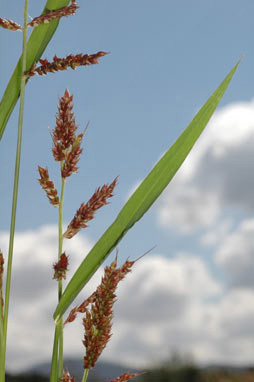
{"x":166,"y":58}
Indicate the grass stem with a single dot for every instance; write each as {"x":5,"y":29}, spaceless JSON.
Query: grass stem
{"x":57,"y":355}
{"x":85,"y":375}
{"x":60,"y":283}
{"x":15,"y":197}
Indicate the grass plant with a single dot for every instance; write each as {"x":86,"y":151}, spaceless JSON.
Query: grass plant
{"x":97,"y":309}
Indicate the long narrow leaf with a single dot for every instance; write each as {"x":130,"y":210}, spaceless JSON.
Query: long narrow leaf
{"x":143,"y":197}
{"x":37,"y":43}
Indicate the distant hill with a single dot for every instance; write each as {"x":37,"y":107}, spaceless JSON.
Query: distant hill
{"x":103,"y":371}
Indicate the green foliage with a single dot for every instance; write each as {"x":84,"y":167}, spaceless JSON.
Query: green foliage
{"x":143,"y":198}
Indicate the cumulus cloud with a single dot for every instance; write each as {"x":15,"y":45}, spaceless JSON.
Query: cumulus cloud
{"x":216,"y":175}
{"x":164,"y":304}
{"x":34,"y":293}
{"x":235,"y":256}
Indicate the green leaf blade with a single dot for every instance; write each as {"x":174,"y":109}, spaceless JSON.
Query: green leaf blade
{"x":142,"y":199}
{"x":37,"y":43}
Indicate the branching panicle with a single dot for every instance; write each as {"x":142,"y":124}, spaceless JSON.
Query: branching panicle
{"x":9,"y":24}
{"x":87,"y":210}
{"x":56,"y":14}
{"x":48,"y":186}
{"x":71,"y":61}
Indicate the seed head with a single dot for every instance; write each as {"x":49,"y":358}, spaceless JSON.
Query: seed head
{"x":63,"y":135}
{"x":61,"y":267}
{"x":52,"y":15}
{"x":98,"y":320}
{"x":9,"y":24}
{"x":1,"y":263}
{"x":87,"y":210}
{"x":58,"y":63}
{"x":48,"y":186}
{"x":125,"y":377}
{"x":66,"y":377}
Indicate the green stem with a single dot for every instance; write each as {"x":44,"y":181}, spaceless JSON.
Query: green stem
{"x":15,"y":197}
{"x":60,"y":284}
{"x":85,"y":375}
{"x":57,"y":354}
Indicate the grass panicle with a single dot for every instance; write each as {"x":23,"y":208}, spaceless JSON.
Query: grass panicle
{"x":98,"y":319}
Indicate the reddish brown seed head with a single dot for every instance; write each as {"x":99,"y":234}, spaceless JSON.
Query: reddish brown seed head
{"x":61,"y":267}
{"x":67,"y":377}
{"x":53,"y":15}
{"x":9,"y":24}
{"x":1,"y":263}
{"x":98,"y":320}
{"x":48,"y":186}
{"x":126,"y":377}
{"x":70,"y":61}
{"x":87,"y":210}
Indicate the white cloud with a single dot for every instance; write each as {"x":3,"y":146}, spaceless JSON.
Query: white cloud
{"x":217,"y":234}
{"x":235,"y":256}
{"x":216,"y":175}
{"x":162,"y":305}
